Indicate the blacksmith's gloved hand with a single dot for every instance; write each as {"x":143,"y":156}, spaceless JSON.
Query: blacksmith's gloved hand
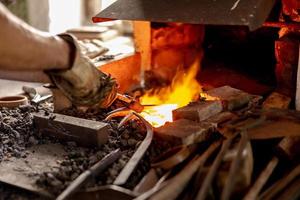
{"x":83,"y":84}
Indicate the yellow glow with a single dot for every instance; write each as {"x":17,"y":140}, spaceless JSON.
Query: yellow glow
{"x":183,"y":90}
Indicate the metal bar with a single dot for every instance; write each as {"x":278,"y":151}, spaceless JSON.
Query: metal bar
{"x":261,"y":180}
{"x":281,"y":184}
{"x":176,"y":185}
{"x":137,"y":156}
{"x":213,"y":170}
{"x":231,"y":179}
{"x":93,"y":171}
{"x":84,"y":132}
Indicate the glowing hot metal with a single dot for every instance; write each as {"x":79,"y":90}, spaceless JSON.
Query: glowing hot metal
{"x":183,"y":90}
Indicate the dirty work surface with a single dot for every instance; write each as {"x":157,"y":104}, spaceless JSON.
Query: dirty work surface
{"x":16,"y":135}
{"x":22,"y":171}
{"x":18,"y":139}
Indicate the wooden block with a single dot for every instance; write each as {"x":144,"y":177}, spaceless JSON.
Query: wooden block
{"x":188,"y":131}
{"x":198,"y":111}
{"x":231,"y":98}
{"x":277,"y":100}
{"x":83,"y":132}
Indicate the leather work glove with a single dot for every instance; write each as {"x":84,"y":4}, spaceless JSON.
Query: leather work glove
{"x":83,"y":84}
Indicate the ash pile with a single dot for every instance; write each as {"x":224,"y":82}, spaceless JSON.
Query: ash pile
{"x":227,"y":145}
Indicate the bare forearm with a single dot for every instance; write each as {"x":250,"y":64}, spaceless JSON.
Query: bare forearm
{"x":25,"y":48}
{"x":28,"y":76}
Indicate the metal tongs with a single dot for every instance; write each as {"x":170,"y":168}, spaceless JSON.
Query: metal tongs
{"x":130,"y":102}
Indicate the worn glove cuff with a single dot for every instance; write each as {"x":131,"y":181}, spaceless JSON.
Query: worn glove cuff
{"x":83,"y":83}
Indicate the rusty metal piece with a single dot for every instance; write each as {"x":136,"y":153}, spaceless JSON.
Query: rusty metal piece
{"x":277,"y":187}
{"x":261,"y":180}
{"x":231,"y":179}
{"x":292,"y":192}
{"x":231,"y":98}
{"x":82,"y":131}
{"x":173,"y":157}
{"x":213,"y":170}
{"x":176,"y":185}
{"x":158,"y":186}
{"x":250,"y":13}
{"x":198,"y":111}
{"x":287,"y":149}
{"x":137,"y":156}
{"x":95,"y":170}
{"x":147,"y":182}
{"x":188,"y":131}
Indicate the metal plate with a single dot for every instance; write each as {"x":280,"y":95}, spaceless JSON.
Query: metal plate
{"x":250,"y":13}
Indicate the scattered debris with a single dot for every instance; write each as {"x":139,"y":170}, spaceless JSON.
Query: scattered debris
{"x":16,"y":132}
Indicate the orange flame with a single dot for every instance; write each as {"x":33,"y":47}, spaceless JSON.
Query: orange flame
{"x":183,"y":90}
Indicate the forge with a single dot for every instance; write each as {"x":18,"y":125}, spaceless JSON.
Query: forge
{"x":207,"y":107}
{"x":177,"y":58}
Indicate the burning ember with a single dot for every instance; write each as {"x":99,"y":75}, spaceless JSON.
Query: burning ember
{"x":183,"y":90}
